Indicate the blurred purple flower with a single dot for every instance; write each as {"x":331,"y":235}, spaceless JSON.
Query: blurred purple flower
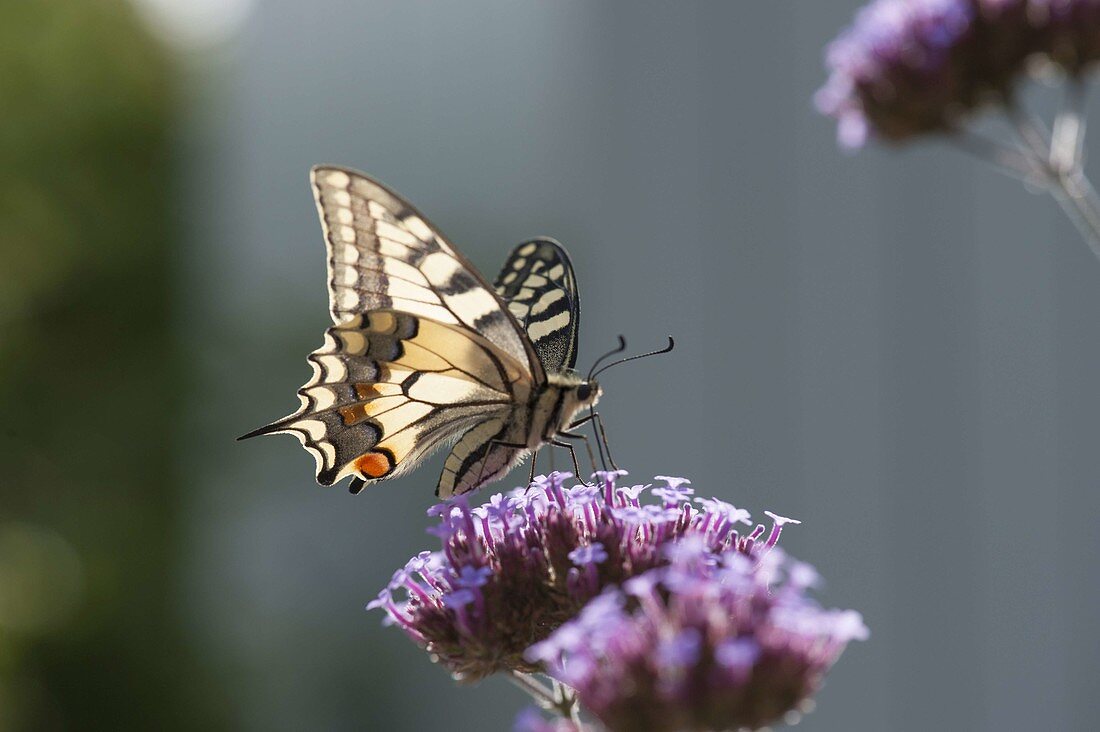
{"x":530,"y":720}
{"x":515,"y":569}
{"x":700,"y":645}
{"x":910,"y":67}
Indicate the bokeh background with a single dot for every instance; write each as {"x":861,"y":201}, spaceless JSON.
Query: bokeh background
{"x":900,"y":348}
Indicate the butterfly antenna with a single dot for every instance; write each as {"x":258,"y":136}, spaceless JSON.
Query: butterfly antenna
{"x":592,"y":409}
{"x":617,"y":349}
{"x":601,"y":435}
{"x":666,"y":349}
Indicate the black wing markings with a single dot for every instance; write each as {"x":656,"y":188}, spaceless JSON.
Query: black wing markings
{"x":538,"y":283}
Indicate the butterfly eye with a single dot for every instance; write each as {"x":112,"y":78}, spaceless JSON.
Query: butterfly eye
{"x":584,"y":391}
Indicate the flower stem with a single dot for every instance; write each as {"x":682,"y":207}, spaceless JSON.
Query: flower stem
{"x":1006,"y":159}
{"x":1062,"y":172}
{"x":568,"y":698}
{"x":541,"y":693}
{"x":560,"y":699}
{"x":1066,"y":141}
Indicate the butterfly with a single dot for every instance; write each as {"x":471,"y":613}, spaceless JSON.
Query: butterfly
{"x":424,"y":352}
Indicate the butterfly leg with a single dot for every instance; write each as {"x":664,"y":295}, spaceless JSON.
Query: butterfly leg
{"x":599,"y":446}
{"x":572,"y":454}
{"x":534,"y":458}
{"x":587,"y":445}
{"x":601,"y":434}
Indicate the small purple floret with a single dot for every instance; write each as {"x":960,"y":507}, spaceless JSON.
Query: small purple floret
{"x":458,"y":598}
{"x":737,"y":654}
{"x":592,"y":554}
{"x":472,"y":577}
{"x":681,"y":650}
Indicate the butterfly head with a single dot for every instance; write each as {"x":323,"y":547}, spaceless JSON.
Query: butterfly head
{"x":587,"y":393}
{"x":576,"y":392}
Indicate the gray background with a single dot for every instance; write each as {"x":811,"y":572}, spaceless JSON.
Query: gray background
{"x":899,"y":348}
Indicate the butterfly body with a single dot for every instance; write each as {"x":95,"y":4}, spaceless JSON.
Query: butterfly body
{"x":424,"y":353}
{"x":509,"y":438}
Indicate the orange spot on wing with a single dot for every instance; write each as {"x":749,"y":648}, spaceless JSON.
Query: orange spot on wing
{"x":374,"y":464}
{"x":353,"y":414}
{"x":367,"y":391}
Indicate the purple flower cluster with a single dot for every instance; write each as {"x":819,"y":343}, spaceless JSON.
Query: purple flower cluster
{"x":513,"y":570}
{"x":708,"y":642}
{"x":910,"y":67}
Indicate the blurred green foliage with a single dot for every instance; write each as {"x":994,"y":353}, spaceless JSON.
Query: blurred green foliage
{"x":90,"y":635}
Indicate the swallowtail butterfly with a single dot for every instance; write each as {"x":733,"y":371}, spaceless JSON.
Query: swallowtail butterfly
{"x":424,"y":353}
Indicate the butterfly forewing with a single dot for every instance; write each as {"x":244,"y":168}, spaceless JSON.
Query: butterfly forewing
{"x":538,"y":283}
{"x":382,"y":253}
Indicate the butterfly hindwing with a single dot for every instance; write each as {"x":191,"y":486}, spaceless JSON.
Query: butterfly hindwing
{"x":482,"y":455}
{"x":538,"y":283}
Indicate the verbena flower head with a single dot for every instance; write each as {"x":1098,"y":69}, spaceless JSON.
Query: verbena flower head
{"x":708,"y":642}
{"x":910,"y":67}
{"x":514,"y":569}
